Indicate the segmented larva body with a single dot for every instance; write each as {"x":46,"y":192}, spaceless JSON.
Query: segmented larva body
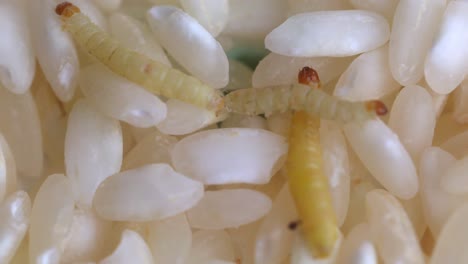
{"x":255,"y":101}
{"x":308,"y":183}
{"x":154,"y":76}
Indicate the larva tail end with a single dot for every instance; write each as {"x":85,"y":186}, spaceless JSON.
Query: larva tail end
{"x":66,"y":9}
{"x":308,"y":76}
{"x":377,"y":106}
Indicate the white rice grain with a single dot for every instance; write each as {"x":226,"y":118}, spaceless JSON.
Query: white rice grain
{"x":230,"y":155}
{"x":384,"y":155}
{"x":212,"y":14}
{"x":391,"y":229}
{"x":190,"y":44}
{"x":121,"y":99}
{"x":414,"y":26}
{"x":51,"y":219}
{"x":14,"y":222}
{"x":329,"y":33}
{"x":17,"y":58}
{"x":147,"y":193}
{"x":277,"y":69}
{"x":367,"y":78}
{"x":447,"y":62}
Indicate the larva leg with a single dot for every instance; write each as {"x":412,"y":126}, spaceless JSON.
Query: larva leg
{"x":307,"y":181}
{"x":153,"y":75}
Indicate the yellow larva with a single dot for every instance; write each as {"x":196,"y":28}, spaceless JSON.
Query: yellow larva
{"x":270,"y":100}
{"x":153,"y":75}
{"x":307,"y":181}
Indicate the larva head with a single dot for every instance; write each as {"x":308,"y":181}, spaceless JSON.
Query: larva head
{"x":66,"y":9}
{"x":308,"y":76}
{"x":377,"y":106}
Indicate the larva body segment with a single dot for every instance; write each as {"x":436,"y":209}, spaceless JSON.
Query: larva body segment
{"x":153,"y":75}
{"x":300,"y":97}
{"x":309,"y":185}
{"x":307,"y":181}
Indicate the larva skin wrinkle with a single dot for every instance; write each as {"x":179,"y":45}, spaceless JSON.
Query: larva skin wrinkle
{"x":278,"y":99}
{"x":154,"y":76}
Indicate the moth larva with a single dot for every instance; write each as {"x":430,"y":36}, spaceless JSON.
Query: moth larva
{"x":307,"y":181}
{"x":154,"y":76}
{"x":255,"y":101}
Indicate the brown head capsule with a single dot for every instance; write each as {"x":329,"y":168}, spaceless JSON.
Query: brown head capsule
{"x":66,"y":9}
{"x":377,"y":106}
{"x":308,"y":75}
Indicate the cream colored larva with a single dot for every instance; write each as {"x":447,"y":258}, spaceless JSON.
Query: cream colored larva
{"x":300,"y":97}
{"x":154,"y":76}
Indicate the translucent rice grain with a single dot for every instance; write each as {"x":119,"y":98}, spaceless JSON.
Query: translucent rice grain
{"x":7,"y":170}
{"x":184,"y":118}
{"x":132,"y":249}
{"x":277,"y":69}
{"x":367,"y":78}
{"x":301,"y":6}
{"x":384,"y":156}
{"x":212,"y":14}
{"x":457,"y":145}
{"x":55,"y":50}
{"x":414,"y":26}
{"x":300,"y":253}
{"x":447,"y":128}
{"x":460,"y":108}
{"x":244,"y":121}
{"x":93,"y":150}
{"x":342,"y":33}
{"x":454,"y":180}
{"x":170,"y":240}
{"x":210,"y":245}
{"x":391,"y":229}
{"x":136,"y":36}
{"x":384,"y":7}
{"x":88,"y":238}
{"x":254,"y":155}
{"x":357,"y":247}
{"x":451,"y":245}
{"x":447,"y":62}
{"x":108,"y":6}
{"x":228,"y":208}
{"x":274,"y":239}
{"x":240,"y":76}
{"x":153,"y":148}
{"x":20,"y":125}
{"x":147,"y":193}
{"x":190,"y":44}
{"x":336,"y":164}
{"x":254,"y":19}
{"x":357,"y":210}
{"x":17,"y":61}
{"x":121,"y":99}
{"x":51,"y":219}
{"x":413,"y":119}
{"x":438,"y":100}
{"x":437,"y":203}
{"x":14,"y":222}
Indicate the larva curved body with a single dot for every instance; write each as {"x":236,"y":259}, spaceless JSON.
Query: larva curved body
{"x":309,"y":185}
{"x":154,"y":76}
{"x":254,"y":101}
